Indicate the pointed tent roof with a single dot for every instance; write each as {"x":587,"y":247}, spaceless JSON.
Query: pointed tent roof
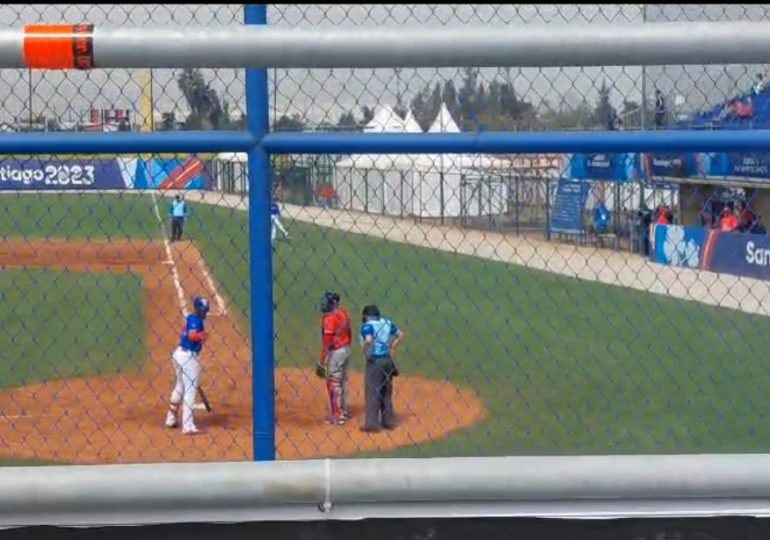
{"x":410,"y":124}
{"x":385,"y":120}
{"x":444,"y":123}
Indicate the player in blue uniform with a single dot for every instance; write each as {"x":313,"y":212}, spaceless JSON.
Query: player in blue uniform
{"x":275,"y":219}
{"x":188,"y":368}
{"x":379,"y":339}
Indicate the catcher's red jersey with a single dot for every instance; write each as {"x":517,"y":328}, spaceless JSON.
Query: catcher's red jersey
{"x":335,"y":327}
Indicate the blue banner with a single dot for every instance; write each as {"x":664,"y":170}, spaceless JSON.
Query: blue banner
{"x":72,"y":173}
{"x":567,"y":214}
{"x":739,"y":254}
{"x":670,"y":165}
{"x":753,"y":167}
{"x":603,"y":167}
{"x":57,"y":174}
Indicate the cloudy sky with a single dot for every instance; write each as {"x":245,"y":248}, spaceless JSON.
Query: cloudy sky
{"x":319,"y":95}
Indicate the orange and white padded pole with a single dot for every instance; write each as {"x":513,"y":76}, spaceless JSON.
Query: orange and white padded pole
{"x":58,"y":46}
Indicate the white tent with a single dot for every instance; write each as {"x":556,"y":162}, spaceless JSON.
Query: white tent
{"x":431,"y":186}
{"x":377,"y":183}
{"x":460,"y":184}
{"x":454,"y":185}
{"x":410,"y":124}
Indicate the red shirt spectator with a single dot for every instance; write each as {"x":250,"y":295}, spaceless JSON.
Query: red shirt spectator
{"x":335,"y":328}
{"x":663,"y":216}
{"x":746,"y":219}
{"x":728,"y":222}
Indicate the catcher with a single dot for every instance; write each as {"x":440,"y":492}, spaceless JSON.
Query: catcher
{"x":335,"y":353}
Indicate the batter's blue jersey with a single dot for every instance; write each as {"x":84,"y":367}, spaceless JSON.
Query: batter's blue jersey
{"x":193,"y":323}
{"x":381,"y":330}
{"x":275,"y":210}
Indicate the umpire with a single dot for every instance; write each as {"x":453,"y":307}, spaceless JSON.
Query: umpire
{"x":178,"y":213}
{"x":379,"y":338}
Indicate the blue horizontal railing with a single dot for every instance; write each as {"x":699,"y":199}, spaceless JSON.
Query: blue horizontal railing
{"x":384,"y":143}
{"x":489,"y":142}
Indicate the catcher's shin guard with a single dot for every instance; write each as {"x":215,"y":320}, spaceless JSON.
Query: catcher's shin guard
{"x":334,"y":393}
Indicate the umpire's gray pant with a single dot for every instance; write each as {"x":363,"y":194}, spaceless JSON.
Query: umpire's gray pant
{"x":378,"y":393}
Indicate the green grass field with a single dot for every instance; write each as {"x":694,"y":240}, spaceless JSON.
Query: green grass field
{"x":60,"y":325}
{"x":563,"y":366}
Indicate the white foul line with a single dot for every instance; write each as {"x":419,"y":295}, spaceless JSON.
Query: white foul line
{"x":217,"y":297}
{"x":170,"y":258}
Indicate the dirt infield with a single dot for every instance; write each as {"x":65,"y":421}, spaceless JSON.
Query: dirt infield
{"x":119,"y":418}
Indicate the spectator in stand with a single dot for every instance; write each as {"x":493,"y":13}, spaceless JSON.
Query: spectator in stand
{"x":660,"y":109}
{"x":746,"y":218}
{"x":740,"y":109}
{"x":760,"y":85}
{"x":663,"y":216}
{"x":601,"y":218}
{"x":728,"y":222}
{"x":644,"y":219}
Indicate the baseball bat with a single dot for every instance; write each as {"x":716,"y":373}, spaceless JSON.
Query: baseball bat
{"x":204,"y":399}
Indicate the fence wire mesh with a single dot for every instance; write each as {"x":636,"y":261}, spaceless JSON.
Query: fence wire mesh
{"x":583,"y":303}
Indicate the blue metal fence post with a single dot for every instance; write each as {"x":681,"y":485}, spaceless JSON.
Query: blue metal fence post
{"x":260,"y":256}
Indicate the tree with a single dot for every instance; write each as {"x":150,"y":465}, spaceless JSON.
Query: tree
{"x":205,"y":107}
{"x":400,"y":109}
{"x":629,"y":106}
{"x":604,"y":112}
{"x":568,"y":117}
{"x":419,"y":107}
{"x":194,"y":121}
{"x":348,"y":122}
{"x":367,"y":113}
{"x":289,"y":123}
{"x":167,"y":121}
{"x":449,"y":97}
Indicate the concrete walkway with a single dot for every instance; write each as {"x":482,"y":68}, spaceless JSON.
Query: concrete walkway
{"x":588,"y":263}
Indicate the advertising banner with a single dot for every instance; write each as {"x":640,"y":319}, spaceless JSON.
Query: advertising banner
{"x":58,"y":174}
{"x":604,"y":167}
{"x":739,"y":254}
{"x":95,"y":174}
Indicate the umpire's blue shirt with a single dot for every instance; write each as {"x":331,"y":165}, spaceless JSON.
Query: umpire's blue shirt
{"x":381,"y":330}
{"x":178,"y":209}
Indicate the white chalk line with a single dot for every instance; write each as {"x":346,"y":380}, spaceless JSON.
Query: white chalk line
{"x":170,"y":259}
{"x":8,"y":417}
{"x":212,"y":286}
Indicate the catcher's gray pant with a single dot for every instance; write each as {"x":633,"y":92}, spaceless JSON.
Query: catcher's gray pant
{"x":337,"y":382}
{"x":378,"y":393}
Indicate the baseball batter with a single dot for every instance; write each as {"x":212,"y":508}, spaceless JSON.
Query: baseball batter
{"x":335,"y":353}
{"x":187,"y":368}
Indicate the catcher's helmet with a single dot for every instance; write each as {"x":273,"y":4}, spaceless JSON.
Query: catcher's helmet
{"x":328,"y":301}
{"x":200,"y":305}
{"x":370,"y":311}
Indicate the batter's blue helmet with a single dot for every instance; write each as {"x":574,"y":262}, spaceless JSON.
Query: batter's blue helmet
{"x":200,"y":305}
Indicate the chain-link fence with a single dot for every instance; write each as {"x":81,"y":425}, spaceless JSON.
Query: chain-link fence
{"x":560,"y":303}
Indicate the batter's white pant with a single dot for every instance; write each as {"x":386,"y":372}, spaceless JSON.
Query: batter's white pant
{"x":277,"y":225}
{"x":188,"y":371}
